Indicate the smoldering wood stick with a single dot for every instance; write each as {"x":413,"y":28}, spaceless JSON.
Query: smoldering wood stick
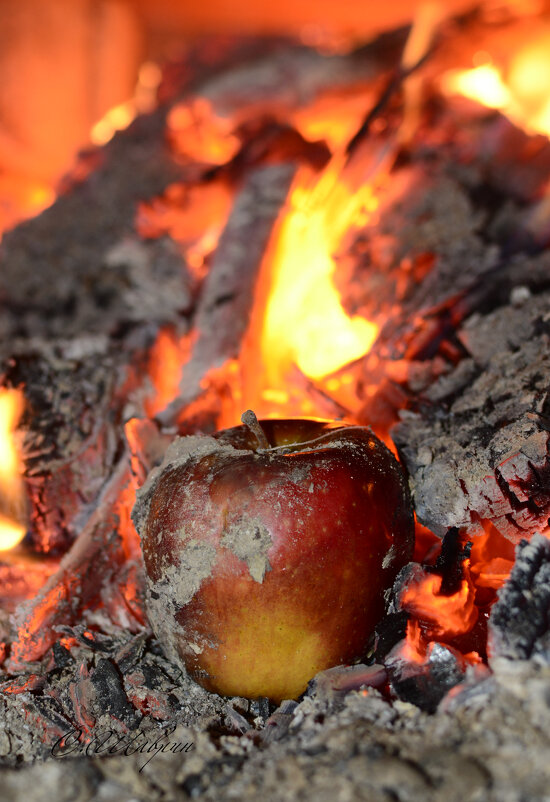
{"x":224,"y":309}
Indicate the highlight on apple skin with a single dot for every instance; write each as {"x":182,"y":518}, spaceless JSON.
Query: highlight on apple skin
{"x":268,"y":548}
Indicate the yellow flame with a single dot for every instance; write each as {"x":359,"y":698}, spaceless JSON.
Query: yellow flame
{"x":11,"y":534}
{"x":305,"y":324}
{"x":523,"y":96}
{"x":12,"y":530}
{"x":483,"y":83}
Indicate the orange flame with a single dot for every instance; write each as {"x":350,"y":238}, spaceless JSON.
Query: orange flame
{"x":492,"y":558}
{"x":12,"y":497}
{"x":166,"y":358}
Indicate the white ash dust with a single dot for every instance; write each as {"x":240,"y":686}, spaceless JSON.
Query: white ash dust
{"x":249,"y":540}
{"x":180,"y":451}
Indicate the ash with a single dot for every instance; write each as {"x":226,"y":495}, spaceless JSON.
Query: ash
{"x":486,"y":741}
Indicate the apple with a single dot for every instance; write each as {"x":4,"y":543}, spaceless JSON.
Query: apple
{"x":268,"y":548}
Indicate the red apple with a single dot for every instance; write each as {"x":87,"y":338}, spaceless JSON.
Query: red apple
{"x":268,"y":549}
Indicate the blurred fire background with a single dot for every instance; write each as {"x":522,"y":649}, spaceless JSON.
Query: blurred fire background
{"x":71,"y":71}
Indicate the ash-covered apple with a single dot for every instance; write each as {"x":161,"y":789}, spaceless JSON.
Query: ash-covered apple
{"x":268,"y":548}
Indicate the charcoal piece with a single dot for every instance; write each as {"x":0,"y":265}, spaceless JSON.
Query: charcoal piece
{"x":110,"y":695}
{"x":235,"y":721}
{"x":131,"y":653}
{"x":449,"y":564}
{"x":408,"y":572}
{"x":62,"y":599}
{"x":62,"y":656}
{"x":425,"y":684}
{"x":95,"y":641}
{"x":519,"y":626}
{"x":391,"y":629}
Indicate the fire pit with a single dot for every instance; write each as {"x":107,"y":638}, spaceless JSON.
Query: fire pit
{"x":358,"y":234}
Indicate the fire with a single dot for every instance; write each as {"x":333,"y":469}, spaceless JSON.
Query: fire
{"x":22,"y":197}
{"x":519,"y":90}
{"x":445,"y":616}
{"x":305,"y":324}
{"x":12,"y":497}
{"x":196,"y":132}
{"x":483,"y":83}
{"x":120,"y":116}
{"x":166,"y":357}
{"x":193,"y":216}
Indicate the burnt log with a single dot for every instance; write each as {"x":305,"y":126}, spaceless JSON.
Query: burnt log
{"x":71,"y":421}
{"x":478,"y":449}
{"x":519,"y":626}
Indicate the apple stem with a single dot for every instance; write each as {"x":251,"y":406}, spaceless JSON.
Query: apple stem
{"x":253,"y":424}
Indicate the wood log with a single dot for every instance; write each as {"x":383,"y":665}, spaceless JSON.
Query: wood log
{"x":226,"y":300}
{"x":476,"y":444}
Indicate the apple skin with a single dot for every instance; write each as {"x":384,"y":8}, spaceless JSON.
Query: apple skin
{"x":266,"y":566}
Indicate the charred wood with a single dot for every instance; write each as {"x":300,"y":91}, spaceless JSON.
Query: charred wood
{"x":482,"y":453}
{"x":223,"y":311}
{"x":519,"y":627}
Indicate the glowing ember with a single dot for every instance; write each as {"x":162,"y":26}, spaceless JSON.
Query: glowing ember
{"x":12,"y":497}
{"x":22,"y":197}
{"x":492,"y":558}
{"x":120,"y":117}
{"x":196,"y":132}
{"x":305,"y":324}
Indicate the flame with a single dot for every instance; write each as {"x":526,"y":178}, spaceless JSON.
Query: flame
{"x":166,"y":358}
{"x":194,"y":216}
{"x":492,"y":558}
{"x":483,"y":83}
{"x":446,"y":616}
{"x":520,"y":91}
{"x":413,"y":649}
{"x":12,"y":496}
{"x":305,"y":324}
{"x":333,"y":119}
